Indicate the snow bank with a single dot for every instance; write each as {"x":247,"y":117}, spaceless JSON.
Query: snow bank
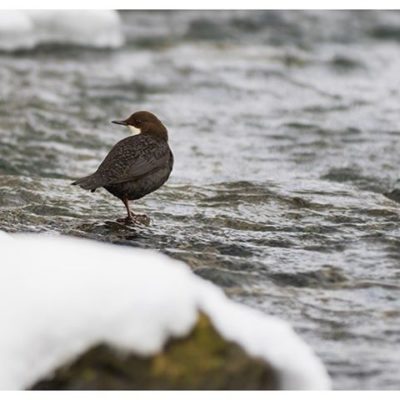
{"x":59,"y":296}
{"x":16,"y":31}
{"x":26,"y":29}
{"x":4,"y":236}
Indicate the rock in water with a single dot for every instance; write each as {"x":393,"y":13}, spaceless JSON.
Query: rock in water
{"x":202,"y":360}
{"x":87,"y":312}
{"x":393,"y":195}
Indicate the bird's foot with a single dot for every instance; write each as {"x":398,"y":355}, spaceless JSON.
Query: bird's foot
{"x":141,"y":219}
{"x":135,"y":219}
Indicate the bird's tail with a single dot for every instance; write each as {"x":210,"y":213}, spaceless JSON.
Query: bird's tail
{"x":91,"y":182}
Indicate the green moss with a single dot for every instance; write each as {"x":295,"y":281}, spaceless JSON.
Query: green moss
{"x":203,"y":360}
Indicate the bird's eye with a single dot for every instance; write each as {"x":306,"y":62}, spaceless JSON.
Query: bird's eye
{"x":138,"y":120}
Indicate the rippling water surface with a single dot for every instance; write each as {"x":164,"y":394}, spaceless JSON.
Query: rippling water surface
{"x":286,"y":132}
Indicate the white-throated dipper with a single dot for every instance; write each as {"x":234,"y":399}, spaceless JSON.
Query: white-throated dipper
{"x":136,"y":165}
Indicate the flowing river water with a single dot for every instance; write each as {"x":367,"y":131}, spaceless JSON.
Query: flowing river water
{"x":285,"y":128}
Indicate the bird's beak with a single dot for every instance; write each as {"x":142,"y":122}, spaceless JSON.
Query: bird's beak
{"x":120,"y":122}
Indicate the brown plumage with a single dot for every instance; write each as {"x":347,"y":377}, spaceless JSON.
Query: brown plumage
{"x":136,"y":165}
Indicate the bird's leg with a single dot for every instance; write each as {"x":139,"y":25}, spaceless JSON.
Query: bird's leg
{"x":129,"y":217}
{"x":126,"y":203}
{"x":132,"y":218}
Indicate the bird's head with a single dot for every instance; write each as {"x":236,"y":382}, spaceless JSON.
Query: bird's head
{"x":142,"y":122}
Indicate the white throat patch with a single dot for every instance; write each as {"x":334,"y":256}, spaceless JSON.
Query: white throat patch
{"x":134,"y":130}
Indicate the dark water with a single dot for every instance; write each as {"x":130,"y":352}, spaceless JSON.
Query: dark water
{"x":286,"y":132}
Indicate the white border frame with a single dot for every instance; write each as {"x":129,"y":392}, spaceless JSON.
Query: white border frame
{"x":205,"y":4}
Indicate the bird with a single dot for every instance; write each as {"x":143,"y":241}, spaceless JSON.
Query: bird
{"x":135,"y":166}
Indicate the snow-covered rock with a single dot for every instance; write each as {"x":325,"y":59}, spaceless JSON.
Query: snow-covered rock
{"x":16,"y":31}
{"x":26,"y":29}
{"x":61,"y":296}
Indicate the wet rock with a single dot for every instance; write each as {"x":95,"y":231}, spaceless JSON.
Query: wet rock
{"x":206,"y":30}
{"x":327,"y":277}
{"x":299,"y":202}
{"x":202,"y":360}
{"x":357,"y":177}
{"x":222,"y":278}
{"x":343,"y":64}
{"x":385,"y":32}
{"x":393,"y":195}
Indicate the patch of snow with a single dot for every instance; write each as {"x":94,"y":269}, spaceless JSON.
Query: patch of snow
{"x":26,"y":29}
{"x":4,"y":236}
{"x":16,"y":31}
{"x":270,"y":338}
{"x":59,"y":296}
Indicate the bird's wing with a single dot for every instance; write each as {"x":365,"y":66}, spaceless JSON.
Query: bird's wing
{"x":133,"y":157}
